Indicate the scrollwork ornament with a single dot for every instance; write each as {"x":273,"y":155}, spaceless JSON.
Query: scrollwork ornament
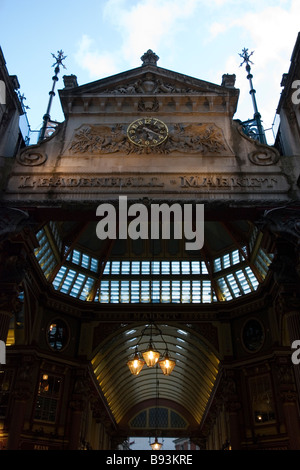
{"x":264,"y":157}
{"x":31,"y":158}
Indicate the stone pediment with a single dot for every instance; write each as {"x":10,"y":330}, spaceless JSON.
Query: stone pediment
{"x":148,"y":80}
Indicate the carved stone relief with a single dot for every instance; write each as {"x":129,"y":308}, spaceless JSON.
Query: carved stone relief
{"x":192,"y":138}
{"x":12,"y":221}
{"x":148,"y":104}
{"x":264,"y":157}
{"x":284,"y":222}
{"x":197,"y":138}
{"x":100,"y":139}
{"x":29,"y":157}
{"x":150,"y":84}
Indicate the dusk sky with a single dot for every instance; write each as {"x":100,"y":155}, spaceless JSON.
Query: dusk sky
{"x":104,"y":37}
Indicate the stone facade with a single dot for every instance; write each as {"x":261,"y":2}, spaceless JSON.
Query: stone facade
{"x":153,"y":135}
{"x":205,"y":155}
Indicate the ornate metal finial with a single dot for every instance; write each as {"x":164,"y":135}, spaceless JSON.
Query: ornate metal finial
{"x":257,"y":117}
{"x":59,"y":59}
{"x":46,"y":118}
{"x":149,"y":58}
{"x":22,"y":98}
{"x":244,"y":55}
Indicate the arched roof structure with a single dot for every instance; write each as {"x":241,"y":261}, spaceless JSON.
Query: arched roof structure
{"x":189,"y":385}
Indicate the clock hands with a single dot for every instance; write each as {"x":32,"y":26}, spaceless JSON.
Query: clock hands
{"x":150,"y":130}
{"x":141,"y":132}
{"x":151,"y":134}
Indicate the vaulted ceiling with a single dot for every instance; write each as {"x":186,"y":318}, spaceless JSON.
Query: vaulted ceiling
{"x":187,"y":389}
{"x":144,"y":276}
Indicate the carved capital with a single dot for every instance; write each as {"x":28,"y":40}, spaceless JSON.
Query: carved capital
{"x":285,"y":263}
{"x":283,"y":223}
{"x":289,"y":396}
{"x":9,"y":298}
{"x":12,"y":221}
{"x":13,"y":262}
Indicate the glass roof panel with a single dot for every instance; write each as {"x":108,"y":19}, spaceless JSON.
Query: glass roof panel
{"x":165,"y":281}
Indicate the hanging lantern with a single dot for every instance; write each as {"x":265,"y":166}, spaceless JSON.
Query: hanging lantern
{"x":156,"y":445}
{"x":167,"y":364}
{"x":151,"y":356}
{"x":136,"y":364}
{"x":44,"y":385}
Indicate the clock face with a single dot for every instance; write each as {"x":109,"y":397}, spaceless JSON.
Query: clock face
{"x":147,"y":132}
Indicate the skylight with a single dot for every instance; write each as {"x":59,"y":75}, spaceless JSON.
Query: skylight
{"x":145,"y":281}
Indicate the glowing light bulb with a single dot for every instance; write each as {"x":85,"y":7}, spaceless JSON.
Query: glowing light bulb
{"x":136,"y":364}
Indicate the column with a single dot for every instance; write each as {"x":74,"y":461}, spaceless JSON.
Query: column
{"x":232,"y":407}
{"x":234,"y":424}
{"x":293,"y":325}
{"x":287,"y":301}
{"x":9,"y":304}
{"x":23,"y":391}
{"x":12,"y":271}
{"x":76,"y":421}
{"x":291,"y":415}
{"x":289,"y":400}
{"x":78,"y":408}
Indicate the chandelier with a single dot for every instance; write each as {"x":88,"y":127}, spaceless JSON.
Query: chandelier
{"x":150,"y":356}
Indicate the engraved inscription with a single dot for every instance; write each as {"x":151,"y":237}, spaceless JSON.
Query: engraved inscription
{"x":187,"y":183}
{"x":227,"y":182}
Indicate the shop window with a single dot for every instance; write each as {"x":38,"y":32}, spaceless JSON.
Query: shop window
{"x":262,"y":399}
{"x":48,"y":398}
{"x":57,"y":335}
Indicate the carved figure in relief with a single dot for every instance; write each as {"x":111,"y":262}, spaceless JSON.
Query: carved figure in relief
{"x":197,"y":138}
{"x":99,"y":140}
{"x":148,"y":85}
{"x":191,"y":138}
